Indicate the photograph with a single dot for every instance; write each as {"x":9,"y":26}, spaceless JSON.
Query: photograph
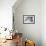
{"x":29,"y":19}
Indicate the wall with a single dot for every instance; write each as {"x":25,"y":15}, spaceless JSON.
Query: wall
{"x":30,"y":31}
{"x":43,"y":22}
{"x":6,"y":13}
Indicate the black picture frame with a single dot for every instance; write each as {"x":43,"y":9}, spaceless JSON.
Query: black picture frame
{"x":28,"y":19}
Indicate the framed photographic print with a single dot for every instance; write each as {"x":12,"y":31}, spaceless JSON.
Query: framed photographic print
{"x":28,"y":19}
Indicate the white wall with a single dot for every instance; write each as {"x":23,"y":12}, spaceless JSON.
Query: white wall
{"x":43,"y":22}
{"x":31,"y":31}
{"x":6,"y":13}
